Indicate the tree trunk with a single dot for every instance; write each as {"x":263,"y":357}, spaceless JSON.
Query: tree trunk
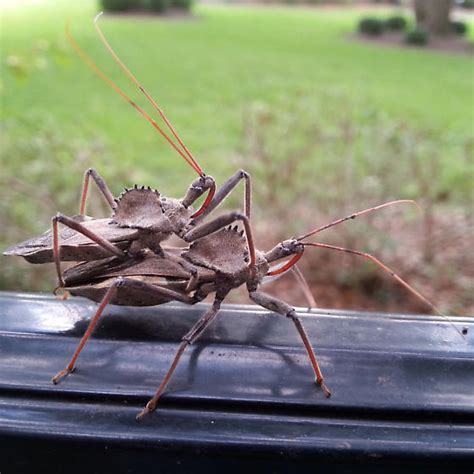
{"x":419,"y":6}
{"x":433,"y":15}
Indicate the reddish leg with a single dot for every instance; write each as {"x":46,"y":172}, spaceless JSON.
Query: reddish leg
{"x":309,"y":349}
{"x":187,"y":340}
{"x":120,"y":282}
{"x":105,"y":301}
{"x":280,"y":307}
{"x":102,"y":187}
{"x":304,"y":287}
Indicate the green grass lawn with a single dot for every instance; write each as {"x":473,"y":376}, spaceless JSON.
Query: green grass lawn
{"x":206,"y":71}
{"x":368,"y":111}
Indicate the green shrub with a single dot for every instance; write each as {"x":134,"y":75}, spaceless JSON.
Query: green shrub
{"x":182,"y":4}
{"x":417,"y":37}
{"x":157,"y":6}
{"x":371,"y":26}
{"x":396,"y":23}
{"x":459,"y":27}
{"x":119,"y":5}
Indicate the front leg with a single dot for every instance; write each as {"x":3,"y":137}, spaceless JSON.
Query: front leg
{"x":280,"y":307}
{"x":224,"y":192}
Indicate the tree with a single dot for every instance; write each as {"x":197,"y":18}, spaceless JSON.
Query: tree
{"x":433,"y":15}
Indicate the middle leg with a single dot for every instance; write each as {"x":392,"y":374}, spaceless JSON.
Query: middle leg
{"x":191,"y":336}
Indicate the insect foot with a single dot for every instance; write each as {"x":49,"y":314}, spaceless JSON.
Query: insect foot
{"x":324,"y":388}
{"x":319,"y":380}
{"x":60,"y":376}
{"x":148,"y":409}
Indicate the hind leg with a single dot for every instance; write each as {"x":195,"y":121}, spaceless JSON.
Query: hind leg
{"x":120,"y":282}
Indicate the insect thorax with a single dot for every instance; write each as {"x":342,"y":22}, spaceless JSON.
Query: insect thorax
{"x":224,"y":251}
{"x":144,"y":208}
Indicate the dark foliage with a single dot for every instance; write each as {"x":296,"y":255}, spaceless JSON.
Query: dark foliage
{"x":459,"y":27}
{"x":154,"y":6}
{"x":396,"y":23}
{"x":371,"y":26}
{"x":418,"y":37}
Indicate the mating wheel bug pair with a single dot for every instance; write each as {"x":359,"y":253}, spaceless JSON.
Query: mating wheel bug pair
{"x":124,"y":262}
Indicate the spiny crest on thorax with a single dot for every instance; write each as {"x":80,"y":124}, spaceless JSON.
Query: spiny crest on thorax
{"x":138,"y":207}
{"x":225,"y":251}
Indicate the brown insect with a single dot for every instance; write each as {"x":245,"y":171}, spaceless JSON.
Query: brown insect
{"x":215,"y":263}
{"x":141,"y":272}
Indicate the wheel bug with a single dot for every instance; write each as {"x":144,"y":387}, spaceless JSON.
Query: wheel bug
{"x":218,"y":260}
{"x":216,"y":263}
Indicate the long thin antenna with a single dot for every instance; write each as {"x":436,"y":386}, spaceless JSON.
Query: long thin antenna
{"x":392,"y":273}
{"x":142,"y":89}
{"x":356,"y":214}
{"x":124,"y":96}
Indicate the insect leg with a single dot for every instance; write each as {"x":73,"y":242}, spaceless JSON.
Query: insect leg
{"x":120,"y":282}
{"x":78,"y":227}
{"x":191,"y":336}
{"x":105,"y":301}
{"x":224,"y":191}
{"x":219,"y":223}
{"x":280,"y":307}
{"x":300,"y":278}
{"x":149,"y":289}
{"x":193,"y":282}
{"x":102,"y":187}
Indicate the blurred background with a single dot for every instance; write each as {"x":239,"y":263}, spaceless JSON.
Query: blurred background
{"x":332,"y":106}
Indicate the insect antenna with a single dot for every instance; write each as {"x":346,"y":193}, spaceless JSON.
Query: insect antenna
{"x":125,"y":97}
{"x":390,"y":272}
{"x":356,"y":214}
{"x":133,"y":78}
